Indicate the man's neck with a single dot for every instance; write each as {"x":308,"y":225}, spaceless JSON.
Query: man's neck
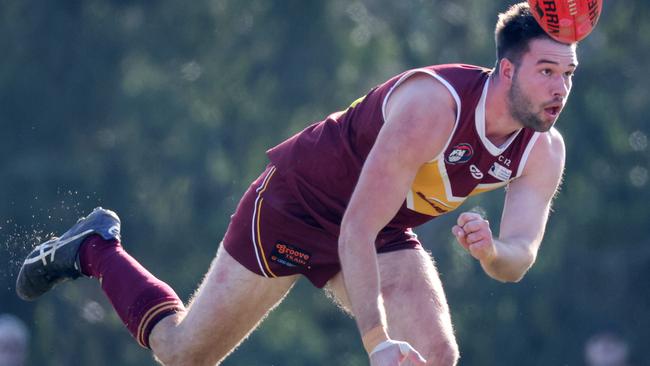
{"x":499,"y":124}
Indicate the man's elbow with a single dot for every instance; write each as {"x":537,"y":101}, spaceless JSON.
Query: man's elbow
{"x":516,"y":271}
{"x":512,"y":277}
{"x":350,"y":241}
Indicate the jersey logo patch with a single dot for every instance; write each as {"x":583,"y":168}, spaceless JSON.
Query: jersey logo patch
{"x":290,"y":256}
{"x":500,"y":172}
{"x":461,"y":153}
{"x":476,"y":172}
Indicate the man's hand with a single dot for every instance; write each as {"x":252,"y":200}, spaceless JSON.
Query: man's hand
{"x":393,"y":353}
{"x":473,"y":233}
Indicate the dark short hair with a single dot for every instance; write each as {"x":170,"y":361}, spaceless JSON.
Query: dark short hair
{"x":514,"y":30}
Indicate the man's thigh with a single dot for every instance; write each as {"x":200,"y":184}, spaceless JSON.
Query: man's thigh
{"x":415,"y":303}
{"x":416,"y":306}
{"x":229,"y":304}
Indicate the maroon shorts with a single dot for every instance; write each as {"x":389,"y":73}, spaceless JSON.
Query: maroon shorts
{"x":272,"y":235}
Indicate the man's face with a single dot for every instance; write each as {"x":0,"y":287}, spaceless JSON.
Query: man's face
{"x":541,"y":83}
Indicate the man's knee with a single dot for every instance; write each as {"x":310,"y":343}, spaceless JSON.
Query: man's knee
{"x":184,"y":358}
{"x":171,"y":347}
{"x":183,"y":353}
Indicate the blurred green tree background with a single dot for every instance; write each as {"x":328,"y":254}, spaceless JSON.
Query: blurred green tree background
{"x":162,"y":111}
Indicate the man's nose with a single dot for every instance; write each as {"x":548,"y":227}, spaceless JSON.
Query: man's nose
{"x":561,"y":87}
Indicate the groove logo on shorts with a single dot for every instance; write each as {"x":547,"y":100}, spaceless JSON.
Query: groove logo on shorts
{"x":461,"y":153}
{"x":290,"y":256}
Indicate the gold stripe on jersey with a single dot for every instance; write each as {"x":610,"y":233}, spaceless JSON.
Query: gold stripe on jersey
{"x":431,"y":191}
{"x":357,"y":101}
{"x":487,"y":187}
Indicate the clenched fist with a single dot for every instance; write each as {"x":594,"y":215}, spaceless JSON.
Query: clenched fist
{"x":473,"y":232}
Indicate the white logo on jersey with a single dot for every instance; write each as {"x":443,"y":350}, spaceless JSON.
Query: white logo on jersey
{"x":476,"y":173}
{"x":456,"y":155}
{"x":500,"y":172}
{"x":460,"y":154}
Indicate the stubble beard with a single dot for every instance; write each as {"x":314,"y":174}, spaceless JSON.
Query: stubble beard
{"x":522,"y":109}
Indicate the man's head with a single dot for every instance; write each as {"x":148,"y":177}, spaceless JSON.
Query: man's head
{"x":514,"y":30}
{"x":536,"y":69}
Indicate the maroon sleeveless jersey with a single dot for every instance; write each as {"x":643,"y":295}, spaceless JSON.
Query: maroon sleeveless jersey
{"x":321,"y":164}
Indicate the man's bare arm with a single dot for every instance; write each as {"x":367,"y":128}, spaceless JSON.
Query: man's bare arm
{"x":420,"y":116}
{"x":525,"y":213}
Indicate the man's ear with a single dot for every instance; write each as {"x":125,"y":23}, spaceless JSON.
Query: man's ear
{"x":506,"y":70}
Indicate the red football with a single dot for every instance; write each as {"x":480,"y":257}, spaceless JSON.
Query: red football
{"x":567,"y":21}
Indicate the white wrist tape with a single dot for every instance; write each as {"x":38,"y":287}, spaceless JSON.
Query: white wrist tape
{"x":403,"y":347}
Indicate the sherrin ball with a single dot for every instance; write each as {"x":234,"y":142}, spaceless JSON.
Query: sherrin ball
{"x":567,"y":21}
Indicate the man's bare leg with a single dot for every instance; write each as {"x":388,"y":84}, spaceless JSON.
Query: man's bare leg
{"x":228,"y":305}
{"x":416,"y":307}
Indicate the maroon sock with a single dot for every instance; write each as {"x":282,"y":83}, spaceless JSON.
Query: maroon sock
{"x":140,"y":299}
